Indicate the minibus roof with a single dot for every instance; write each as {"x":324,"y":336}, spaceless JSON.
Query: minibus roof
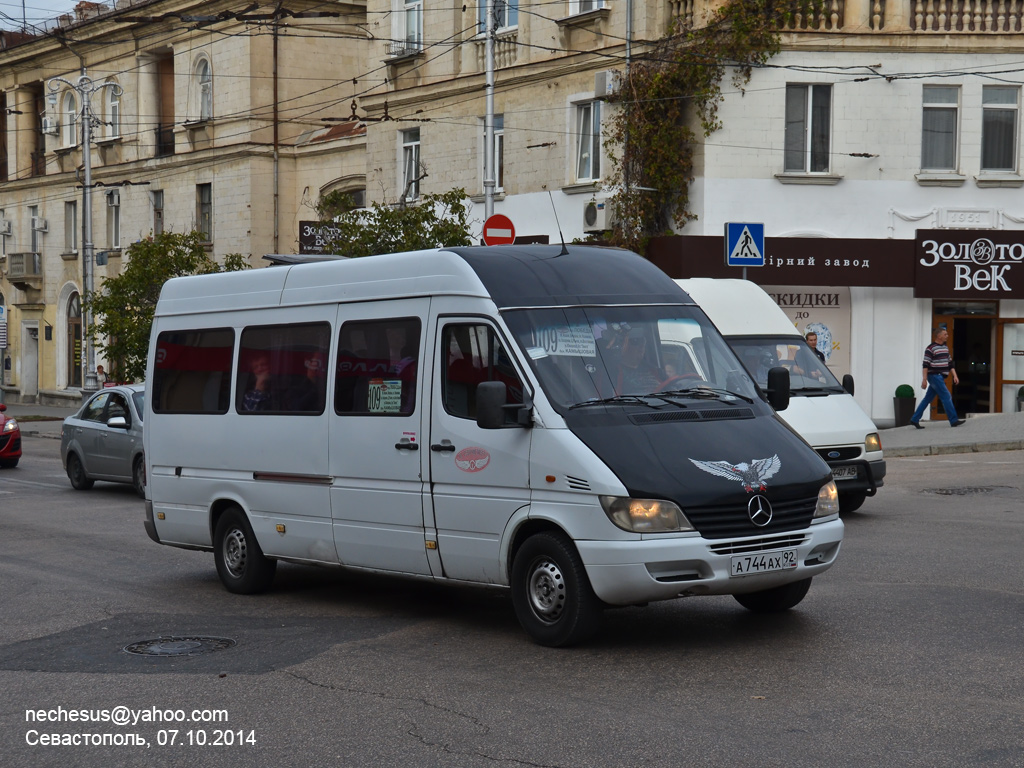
{"x":511,"y":276}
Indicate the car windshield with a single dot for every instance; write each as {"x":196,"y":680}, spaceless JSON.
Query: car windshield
{"x":594,"y":354}
{"x":808,"y":375}
{"x":139,"y":398}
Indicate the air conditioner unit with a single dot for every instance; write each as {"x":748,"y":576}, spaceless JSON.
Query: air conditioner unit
{"x":23,"y":265}
{"x":597,"y":216}
{"x":5,"y":227}
{"x":39,"y":224}
{"x":113,"y":198}
{"x":49,"y":126}
{"x":607,"y":83}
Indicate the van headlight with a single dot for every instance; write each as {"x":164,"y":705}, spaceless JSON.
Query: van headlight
{"x":828,"y":500}
{"x":645,"y":515}
{"x":872,"y":442}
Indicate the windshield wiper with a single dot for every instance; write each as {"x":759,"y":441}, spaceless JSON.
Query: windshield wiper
{"x":636,"y":399}
{"x":706,"y":393}
{"x":817,"y":391}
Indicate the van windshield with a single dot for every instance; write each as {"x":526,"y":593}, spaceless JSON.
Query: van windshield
{"x":588,"y":354}
{"x":808,"y":374}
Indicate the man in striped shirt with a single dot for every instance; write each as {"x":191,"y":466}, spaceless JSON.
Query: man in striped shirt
{"x":937,"y":364}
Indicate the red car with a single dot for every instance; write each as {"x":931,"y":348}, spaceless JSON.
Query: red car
{"x":10,"y":439}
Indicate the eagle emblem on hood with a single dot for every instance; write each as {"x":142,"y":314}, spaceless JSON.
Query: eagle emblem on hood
{"x":752,"y":476}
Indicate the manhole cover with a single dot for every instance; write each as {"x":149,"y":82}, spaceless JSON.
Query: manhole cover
{"x":958,"y":491}
{"x":179,"y":646}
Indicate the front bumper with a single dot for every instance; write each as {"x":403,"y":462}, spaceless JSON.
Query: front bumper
{"x":870,"y":476}
{"x":664,"y":567}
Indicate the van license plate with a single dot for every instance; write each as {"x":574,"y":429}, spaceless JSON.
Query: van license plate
{"x":763,"y":562}
{"x":844,"y":473}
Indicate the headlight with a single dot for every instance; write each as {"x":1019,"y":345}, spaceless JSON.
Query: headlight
{"x":645,"y":515}
{"x":11,"y":425}
{"x":872,"y":442}
{"x":828,"y":500}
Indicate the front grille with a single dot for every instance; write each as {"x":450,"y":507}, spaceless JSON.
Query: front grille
{"x":711,"y":414}
{"x":4,"y":439}
{"x":845,"y":453}
{"x":763,"y":544}
{"x":730,"y":521}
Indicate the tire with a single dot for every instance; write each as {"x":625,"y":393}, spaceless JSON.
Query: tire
{"x":775,"y":600}
{"x":551,"y":593}
{"x":9,"y":463}
{"x":139,"y":476}
{"x":76,"y":474}
{"x":851,"y":502}
{"x":241,"y":565}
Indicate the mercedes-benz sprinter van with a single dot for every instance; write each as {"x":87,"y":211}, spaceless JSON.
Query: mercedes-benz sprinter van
{"x":499,"y":416}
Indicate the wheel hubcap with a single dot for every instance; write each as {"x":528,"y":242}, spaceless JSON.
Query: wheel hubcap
{"x":234,"y":552}
{"x":547,"y":590}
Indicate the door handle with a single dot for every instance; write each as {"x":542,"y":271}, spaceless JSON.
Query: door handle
{"x":444,"y":447}
{"x":407,"y":446}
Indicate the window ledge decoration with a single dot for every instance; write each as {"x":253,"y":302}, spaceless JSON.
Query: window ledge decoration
{"x":70,"y":255}
{"x":585,"y":18}
{"x":482,"y":197}
{"x":582,"y":188}
{"x":107,"y":141}
{"x":999,"y":179}
{"x":940,"y":179}
{"x":399,"y":52}
{"x":64,"y":151}
{"x":826,"y":179}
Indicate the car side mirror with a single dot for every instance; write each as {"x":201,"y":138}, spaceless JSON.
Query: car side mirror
{"x":778,"y":388}
{"x":491,"y":406}
{"x":2,"y":407}
{"x":117,"y":422}
{"x":848,"y":383}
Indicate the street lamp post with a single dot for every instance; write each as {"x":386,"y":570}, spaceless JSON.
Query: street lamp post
{"x":85,"y":87}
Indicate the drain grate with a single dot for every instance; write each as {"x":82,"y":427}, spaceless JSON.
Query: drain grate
{"x":179,"y":646}
{"x":958,"y":491}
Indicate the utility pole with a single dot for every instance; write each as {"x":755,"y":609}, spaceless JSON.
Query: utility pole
{"x":85,"y":87}
{"x":489,"y":110}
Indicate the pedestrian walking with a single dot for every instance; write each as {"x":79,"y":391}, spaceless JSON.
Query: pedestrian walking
{"x":937,"y":364}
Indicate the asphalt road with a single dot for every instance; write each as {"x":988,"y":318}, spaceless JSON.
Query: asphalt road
{"x":906,"y":653}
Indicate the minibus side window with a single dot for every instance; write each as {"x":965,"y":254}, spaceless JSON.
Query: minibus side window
{"x":473,"y":354}
{"x":282,"y":369}
{"x":193,"y":371}
{"x":377,"y":366}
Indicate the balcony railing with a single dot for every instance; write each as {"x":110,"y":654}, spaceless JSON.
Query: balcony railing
{"x":971,"y":16}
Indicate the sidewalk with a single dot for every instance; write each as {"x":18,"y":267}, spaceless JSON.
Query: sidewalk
{"x":987,"y":432}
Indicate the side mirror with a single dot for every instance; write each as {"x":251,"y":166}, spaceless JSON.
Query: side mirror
{"x":491,"y":407}
{"x":848,"y":383}
{"x":778,"y":388}
{"x":2,"y":407}
{"x":117,"y":422}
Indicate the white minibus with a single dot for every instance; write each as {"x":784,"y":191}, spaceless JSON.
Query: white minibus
{"x":517,"y":416}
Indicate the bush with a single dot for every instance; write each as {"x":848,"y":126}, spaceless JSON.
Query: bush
{"x":904,"y":390}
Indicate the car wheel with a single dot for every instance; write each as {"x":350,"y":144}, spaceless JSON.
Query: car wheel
{"x":139,"y":476}
{"x":76,"y":474}
{"x":551,"y":593}
{"x":241,"y":565}
{"x":851,"y":502}
{"x":9,"y":463}
{"x":775,"y":600}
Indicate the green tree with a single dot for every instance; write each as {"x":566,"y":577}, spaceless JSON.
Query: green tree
{"x":123,"y":306}
{"x":436,"y":221}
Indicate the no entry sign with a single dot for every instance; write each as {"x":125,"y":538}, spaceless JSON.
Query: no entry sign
{"x":499,"y":230}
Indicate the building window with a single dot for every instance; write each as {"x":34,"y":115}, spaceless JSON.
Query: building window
{"x":411,"y":164}
{"x":808,"y":120}
{"x":999,"y":127}
{"x":69,"y":110}
{"x":588,"y":141}
{"x":157,"y":198}
{"x":204,"y":211}
{"x":406,"y":27}
{"x":4,"y":234}
{"x":499,"y":151}
{"x":584,"y":6}
{"x":70,"y":227}
{"x":33,"y":216}
{"x":204,"y":84}
{"x":939,"y":128}
{"x":506,"y":14}
{"x":113,"y":219}
{"x":113,"y":94}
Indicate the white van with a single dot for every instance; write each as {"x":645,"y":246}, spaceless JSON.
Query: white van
{"x":496,"y":416}
{"x":821,"y":409}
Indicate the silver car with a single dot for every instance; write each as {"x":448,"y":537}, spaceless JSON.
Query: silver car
{"x":103,"y":441}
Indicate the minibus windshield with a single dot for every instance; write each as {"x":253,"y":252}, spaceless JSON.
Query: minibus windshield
{"x":585,"y":355}
{"x":808,"y":374}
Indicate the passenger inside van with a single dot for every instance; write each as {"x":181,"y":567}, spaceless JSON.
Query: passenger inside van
{"x":257,"y":395}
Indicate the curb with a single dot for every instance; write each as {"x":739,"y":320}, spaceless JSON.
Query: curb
{"x":939,"y":450}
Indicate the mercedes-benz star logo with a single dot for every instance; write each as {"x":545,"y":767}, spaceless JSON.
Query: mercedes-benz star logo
{"x":760,"y":511}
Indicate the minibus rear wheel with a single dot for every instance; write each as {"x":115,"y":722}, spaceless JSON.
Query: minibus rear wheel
{"x":775,"y":600}
{"x":551,"y":593}
{"x":241,"y":565}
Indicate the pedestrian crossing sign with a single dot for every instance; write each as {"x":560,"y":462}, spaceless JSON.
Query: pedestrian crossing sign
{"x":744,"y":244}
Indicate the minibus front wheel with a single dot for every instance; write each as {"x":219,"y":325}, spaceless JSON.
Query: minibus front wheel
{"x":241,"y":565}
{"x":551,"y":593}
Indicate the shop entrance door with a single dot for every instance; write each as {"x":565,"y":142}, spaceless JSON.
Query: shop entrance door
{"x":1009,"y":365}
{"x":971,"y":344}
